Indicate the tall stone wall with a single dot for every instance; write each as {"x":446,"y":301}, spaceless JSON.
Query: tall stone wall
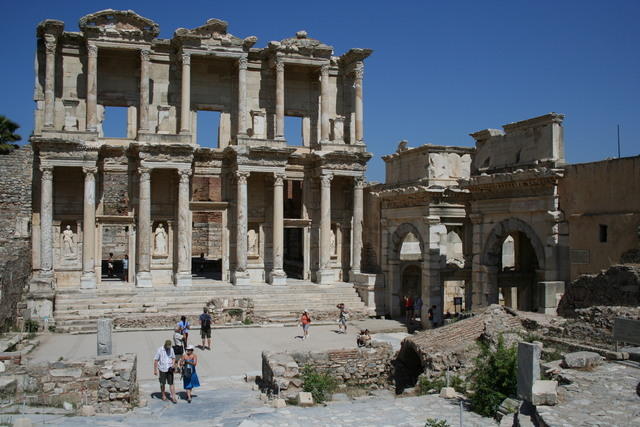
{"x":15,"y":229}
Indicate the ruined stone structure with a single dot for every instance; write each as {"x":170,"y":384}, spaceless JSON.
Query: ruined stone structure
{"x":254,"y":209}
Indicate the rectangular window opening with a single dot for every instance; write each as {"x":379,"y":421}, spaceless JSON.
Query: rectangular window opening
{"x":293,"y":130}
{"x":115,"y":122}
{"x":603,"y":233}
{"x":208,"y":128}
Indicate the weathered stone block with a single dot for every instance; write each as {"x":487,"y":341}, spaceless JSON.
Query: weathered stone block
{"x":105,"y":326}
{"x":528,"y":368}
{"x":581,"y":359}
{"x":279,"y":403}
{"x":305,"y":399}
{"x":448,"y":393}
{"x":544,"y":393}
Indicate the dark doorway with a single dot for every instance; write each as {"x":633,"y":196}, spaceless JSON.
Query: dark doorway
{"x":517,"y":272}
{"x":293,"y":253}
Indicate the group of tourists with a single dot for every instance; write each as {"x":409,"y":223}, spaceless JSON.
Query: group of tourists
{"x":343,"y":316}
{"x":180,"y":357}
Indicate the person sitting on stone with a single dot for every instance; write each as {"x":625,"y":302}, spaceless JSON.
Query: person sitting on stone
{"x":364,"y":339}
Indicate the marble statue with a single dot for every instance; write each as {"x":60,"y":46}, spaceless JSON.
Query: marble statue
{"x":332,"y":243}
{"x":68,"y":245}
{"x":160,"y":240}
{"x":252,"y":242}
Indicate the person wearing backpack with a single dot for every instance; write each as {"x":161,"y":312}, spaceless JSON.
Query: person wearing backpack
{"x":205,"y":328}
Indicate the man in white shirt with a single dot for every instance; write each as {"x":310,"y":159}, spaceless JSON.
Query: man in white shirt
{"x":164,"y":361}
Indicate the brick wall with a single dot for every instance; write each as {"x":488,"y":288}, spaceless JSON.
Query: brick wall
{"x":15,"y":229}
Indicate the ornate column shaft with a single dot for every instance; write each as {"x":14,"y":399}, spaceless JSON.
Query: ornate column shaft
{"x":357,"y":226}
{"x":242,"y":95}
{"x":88,"y":279}
{"x":183,"y":275}
{"x":185,"y":105}
{"x":241,"y":275}
{"x":92,"y":87}
{"x":324,"y":102}
{"x":143,"y":277}
{"x":50,"y":44}
{"x":324,"y":274}
{"x":278,"y":276}
{"x":144,"y":89}
{"x":359,"y":74}
{"x":279,"y":99}
{"x":46,"y":221}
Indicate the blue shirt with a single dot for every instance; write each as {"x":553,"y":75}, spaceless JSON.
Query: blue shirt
{"x":184,"y":326}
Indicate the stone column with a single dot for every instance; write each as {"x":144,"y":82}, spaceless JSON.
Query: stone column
{"x":46,"y":222}
{"x":183,"y":275}
{"x":185,"y":105}
{"x":359,"y":73}
{"x":241,"y":275}
{"x":143,"y":277}
{"x":242,"y":95}
{"x":279,"y":99}
{"x":88,"y":278}
{"x":144,"y":89}
{"x":50,"y":43}
{"x":324,"y":103}
{"x":356,"y":254}
{"x":105,"y":346}
{"x":278,"y":276}
{"x":325,"y":275}
{"x":92,"y":88}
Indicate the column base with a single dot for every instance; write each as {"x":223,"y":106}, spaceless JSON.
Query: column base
{"x":325,"y":277}
{"x":182,"y":279}
{"x":143,"y":280}
{"x":353,"y":275}
{"x":278,"y":278}
{"x":240,"y":278}
{"x":88,"y":281}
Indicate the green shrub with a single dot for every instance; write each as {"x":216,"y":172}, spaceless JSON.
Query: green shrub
{"x":31,"y":325}
{"x":433,"y":422}
{"x":426,"y":384}
{"x":320,"y":384}
{"x":457,"y":383}
{"x":247,"y":321}
{"x":493,"y":378}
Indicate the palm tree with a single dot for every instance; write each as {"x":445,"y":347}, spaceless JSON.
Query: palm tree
{"x":7,"y":135}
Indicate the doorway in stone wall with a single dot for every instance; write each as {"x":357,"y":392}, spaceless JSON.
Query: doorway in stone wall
{"x":294,"y":253}
{"x":114,"y":258}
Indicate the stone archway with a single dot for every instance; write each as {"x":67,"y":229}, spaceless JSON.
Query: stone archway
{"x":396,"y":264}
{"x":492,"y":250}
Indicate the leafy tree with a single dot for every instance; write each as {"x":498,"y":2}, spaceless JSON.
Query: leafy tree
{"x":7,"y":134}
{"x":494,"y":377}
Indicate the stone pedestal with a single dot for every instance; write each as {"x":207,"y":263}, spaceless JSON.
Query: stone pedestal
{"x":549,"y":295}
{"x":528,"y":368}
{"x":105,"y":346}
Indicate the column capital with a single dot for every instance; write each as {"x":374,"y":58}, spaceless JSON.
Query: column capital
{"x":50,"y":43}
{"x":279,"y":65}
{"x":278,"y":178}
{"x":145,"y":55}
{"x":325,"y":180}
{"x":47,"y":172}
{"x":324,"y":68}
{"x":241,"y":177}
{"x":358,"y":182}
{"x":186,"y":58}
{"x":89,"y":170}
{"x":358,"y":70}
{"x":145,"y":173}
{"x":184,"y":175}
{"x":243,"y":62}
{"x":92,"y":50}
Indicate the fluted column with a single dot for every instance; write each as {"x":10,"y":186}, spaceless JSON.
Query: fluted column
{"x":145,"y":55}
{"x":50,"y":43}
{"x":143,"y":277}
{"x":92,"y":87}
{"x":357,"y":226}
{"x":359,"y":74}
{"x":88,"y":278}
{"x":183,"y":275}
{"x":325,"y":275}
{"x":279,"y":99}
{"x":278,"y":276}
{"x":242,"y":95}
{"x":185,"y":106}
{"x":324,"y":102}
{"x":46,"y":222}
{"x":241,"y":275}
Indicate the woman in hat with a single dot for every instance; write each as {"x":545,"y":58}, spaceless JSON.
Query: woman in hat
{"x":305,"y":321}
{"x":189,"y":375}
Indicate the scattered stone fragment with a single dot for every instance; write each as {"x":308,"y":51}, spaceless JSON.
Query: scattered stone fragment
{"x":544,"y":393}
{"x":87,"y":411}
{"x":448,"y":393}
{"x":581,"y":359}
{"x":305,"y":399}
{"x":279,"y":403}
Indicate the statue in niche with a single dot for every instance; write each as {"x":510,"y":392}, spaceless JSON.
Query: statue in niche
{"x":160,"y":240}
{"x":252,"y":242}
{"x":332,"y":243}
{"x":68,"y":245}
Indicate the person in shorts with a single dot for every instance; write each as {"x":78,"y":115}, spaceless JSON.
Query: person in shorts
{"x":164,"y":365}
{"x":184,"y":326}
{"x":305,"y":322}
{"x":178,"y":344}
{"x":205,"y":328}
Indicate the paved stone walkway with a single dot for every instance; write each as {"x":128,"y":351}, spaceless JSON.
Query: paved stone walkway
{"x":605,"y":396}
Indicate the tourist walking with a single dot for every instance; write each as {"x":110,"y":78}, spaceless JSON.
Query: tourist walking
{"x":417,"y":308}
{"x":342,"y":318}
{"x":184,"y":329}
{"x":408,"y":308}
{"x":189,"y":376}
{"x":305,"y":321}
{"x":205,"y":328}
{"x":164,"y":365}
{"x":178,"y":344}
{"x":125,"y":268}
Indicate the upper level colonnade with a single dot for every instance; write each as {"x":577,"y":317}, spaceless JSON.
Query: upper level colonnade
{"x":117,"y":60}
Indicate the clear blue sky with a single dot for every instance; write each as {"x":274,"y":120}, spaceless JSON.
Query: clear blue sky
{"x":440,"y":69}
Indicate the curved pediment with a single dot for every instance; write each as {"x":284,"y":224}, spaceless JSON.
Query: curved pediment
{"x":124,"y":24}
{"x":303,"y":45}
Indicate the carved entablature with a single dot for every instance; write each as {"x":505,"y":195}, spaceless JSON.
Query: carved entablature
{"x":64,"y":153}
{"x":521,"y":183}
{"x":258,"y":158}
{"x":302,"y":45}
{"x":352,"y":60}
{"x":50,"y":27}
{"x":212,"y":34}
{"x":167,"y":154}
{"x":118,"y":24}
{"x":342,"y":161}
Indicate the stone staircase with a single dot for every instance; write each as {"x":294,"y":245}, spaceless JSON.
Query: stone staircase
{"x":76,"y":310}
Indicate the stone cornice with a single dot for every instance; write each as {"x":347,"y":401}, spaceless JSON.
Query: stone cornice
{"x":431,"y":149}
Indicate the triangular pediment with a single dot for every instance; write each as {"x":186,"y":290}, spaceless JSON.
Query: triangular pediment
{"x":125,"y":24}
